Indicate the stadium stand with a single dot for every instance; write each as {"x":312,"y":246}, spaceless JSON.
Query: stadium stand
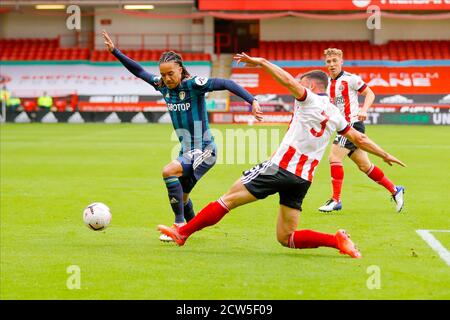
{"x":49,"y":49}
{"x":395,"y":50}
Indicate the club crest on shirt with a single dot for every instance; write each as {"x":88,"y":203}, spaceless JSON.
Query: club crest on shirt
{"x":341,"y":87}
{"x":167,"y":95}
{"x":182,"y":95}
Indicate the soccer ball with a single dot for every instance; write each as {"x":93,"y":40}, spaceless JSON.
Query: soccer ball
{"x":97,"y":216}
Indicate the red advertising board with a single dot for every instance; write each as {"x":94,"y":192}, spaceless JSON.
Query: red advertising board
{"x":383,"y":80}
{"x":314,"y":5}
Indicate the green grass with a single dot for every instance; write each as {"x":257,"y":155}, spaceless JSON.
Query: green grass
{"x":49,"y":173}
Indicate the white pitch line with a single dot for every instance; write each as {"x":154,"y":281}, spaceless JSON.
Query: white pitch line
{"x":435,"y":244}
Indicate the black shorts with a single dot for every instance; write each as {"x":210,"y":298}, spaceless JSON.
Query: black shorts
{"x":267,"y":178}
{"x":345,"y":143}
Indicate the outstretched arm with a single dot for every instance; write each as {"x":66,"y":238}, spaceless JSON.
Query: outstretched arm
{"x":225,"y":84}
{"x":365,"y":143}
{"x":132,"y":66}
{"x":280,"y":75}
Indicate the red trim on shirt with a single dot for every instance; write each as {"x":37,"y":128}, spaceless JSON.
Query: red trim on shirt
{"x":346,"y":100}
{"x":333,"y":91}
{"x":287,"y":157}
{"x":345,"y":130}
{"x":303,"y":98}
{"x":300,"y":164}
{"x":363,"y":87}
{"x":311,"y":170}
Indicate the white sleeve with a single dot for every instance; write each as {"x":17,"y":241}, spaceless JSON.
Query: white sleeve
{"x":356,"y":83}
{"x":308,"y":97}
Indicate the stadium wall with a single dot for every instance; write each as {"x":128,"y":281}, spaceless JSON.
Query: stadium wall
{"x":20,"y":25}
{"x":26,"y":24}
{"x":291,"y":28}
{"x":128,"y":24}
{"x":412,"y":30}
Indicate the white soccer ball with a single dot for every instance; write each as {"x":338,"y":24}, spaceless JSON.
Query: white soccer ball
{"x":97,"y":216}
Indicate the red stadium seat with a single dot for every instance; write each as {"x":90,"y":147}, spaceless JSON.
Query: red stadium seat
{"x":29,"y":105}
{"x":49,"y":49}
{"x":61,"y":105}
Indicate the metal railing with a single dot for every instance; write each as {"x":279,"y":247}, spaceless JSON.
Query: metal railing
{"x":187,"y":42}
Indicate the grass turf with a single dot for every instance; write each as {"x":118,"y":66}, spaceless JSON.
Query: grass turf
{"x":49,"y":173}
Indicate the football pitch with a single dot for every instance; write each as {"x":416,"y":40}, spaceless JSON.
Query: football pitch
{"x":50,"y":172}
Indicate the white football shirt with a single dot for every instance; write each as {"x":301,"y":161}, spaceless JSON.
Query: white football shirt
{"x":343,"y":92}
{"x":314,"y":121}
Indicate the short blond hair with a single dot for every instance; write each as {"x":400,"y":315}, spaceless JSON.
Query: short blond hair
{"x":333,"y":52}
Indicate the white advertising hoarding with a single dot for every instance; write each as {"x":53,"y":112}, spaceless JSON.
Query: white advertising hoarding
{"x":83,"y":79}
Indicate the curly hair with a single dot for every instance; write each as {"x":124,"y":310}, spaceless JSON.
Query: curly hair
{"x":172,"y":56}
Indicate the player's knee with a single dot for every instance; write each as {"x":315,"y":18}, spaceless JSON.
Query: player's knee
{"x":168,"y":171}
{"x":332,"y":158}
{"x":283,"y":239}
{"x":230,"y":200}
{"x":364,"y":167}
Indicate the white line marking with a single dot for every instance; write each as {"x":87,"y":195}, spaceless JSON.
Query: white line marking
{"x":435,"y":244}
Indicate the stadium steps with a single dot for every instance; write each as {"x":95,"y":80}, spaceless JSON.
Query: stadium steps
{"x":221,"y":68}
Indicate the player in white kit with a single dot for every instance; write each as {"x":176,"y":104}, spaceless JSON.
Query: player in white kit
{"x":290,"y":171}
{"x":343,"y":90}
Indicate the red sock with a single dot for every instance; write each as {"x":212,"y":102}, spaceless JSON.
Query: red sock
{"x":378,"y":176}
{"x":337,"y":178}
{"x":303,"y":239}
{"x":208,"y":216}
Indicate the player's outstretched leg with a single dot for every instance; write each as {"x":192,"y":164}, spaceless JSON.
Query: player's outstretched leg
{"x":307,"y":239}
{"x":288,"y":236}
{"x":208,"y":216}
{"x":237,"y":196}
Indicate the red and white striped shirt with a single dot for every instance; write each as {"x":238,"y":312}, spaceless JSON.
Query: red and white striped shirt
{"x":313,"y":123}
{"x":343,"y":92}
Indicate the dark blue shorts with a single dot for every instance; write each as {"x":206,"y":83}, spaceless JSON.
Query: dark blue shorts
{"x":195,"y":164}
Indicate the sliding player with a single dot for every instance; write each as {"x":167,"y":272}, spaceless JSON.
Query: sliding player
{"x":291,"y":169}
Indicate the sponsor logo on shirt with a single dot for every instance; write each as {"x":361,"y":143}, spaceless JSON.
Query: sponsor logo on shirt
{"x":178,"y":106}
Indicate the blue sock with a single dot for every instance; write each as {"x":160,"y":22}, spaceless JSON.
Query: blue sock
{"x":189,"y":210}
{"x":175,"y":197}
